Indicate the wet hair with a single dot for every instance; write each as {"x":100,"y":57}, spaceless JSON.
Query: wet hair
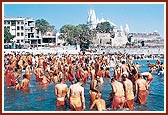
{"x":107,"y":68}
{"x":24,"y":76}
{"x":124,"y":76}
{"x":80,"y":80}
{"x":123,"y":62}
{"x":62,"y":79}
{"x":15,"y":70}
{"x":113,"y":79}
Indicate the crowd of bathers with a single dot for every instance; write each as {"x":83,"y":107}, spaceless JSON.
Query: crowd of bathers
{"x":127,"y":82}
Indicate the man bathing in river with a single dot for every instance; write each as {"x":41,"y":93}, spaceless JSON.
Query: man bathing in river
{"x":61,"y":90}
{"x":99,"y":102}
{"x":76,"y":96}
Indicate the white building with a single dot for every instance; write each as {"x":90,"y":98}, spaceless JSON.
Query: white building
{"x":92,"y":20}
{"x":103,"y":39}
{"x":23,"y":29}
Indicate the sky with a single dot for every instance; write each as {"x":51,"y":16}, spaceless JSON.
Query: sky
{"x":141,"y":17}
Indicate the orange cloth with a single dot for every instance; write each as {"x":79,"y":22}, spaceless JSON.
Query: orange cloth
{"x":92,"y":95}
{"x":129,"y":104}
{"x":28,"y":76}
{"x":24,"y":88}
{"x":60,"y":101}
{"x":141,"y":96}
{"x":70,"y":77}
{"x":44,"y":65}
{"x":100,"y":73}
{"x":38,"y":79}
{"x":75,"y":103}
{"x":118,"y":102}
{"x":149,"y":79}
{"x":8,"y":78}
{"x":117,"y":76}
{"x":44,"y":84}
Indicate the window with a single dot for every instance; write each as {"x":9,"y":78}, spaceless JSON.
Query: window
{"x":21,"y":34}
{"x":8,"y":22}
{"x":21,"y":27}
{"x":18,"y":22}
{"x":21,"y":40}
{"x":18,"y":34}
{"x":17,"y":41}
{"x":13,"y":23}
{"x":100,"y":41}
{"x":5,"y":22}
{"x":18,"y":28}
{"x":22,"y":22}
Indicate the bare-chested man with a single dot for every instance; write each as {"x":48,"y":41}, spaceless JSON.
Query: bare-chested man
{"x":45,"y":80}
{"x":118,"y":94}
{"x":61,"y":90}
{"x":124,"y":68}
{"x":141,"y":87}
{"x":148,"y":76}
{"x":94,"y":88}
{"x":28,"y":74}
{"x":129,"y":94}
{"x":99,"y":102}
{"x":76,"y":96}
{"x":14,"y":77}
{"x":117,"y":72}
{"x":25,"y":83}
{"x":92,"y":72}
{"x":41,"y":60}
{"x":38,"y":71}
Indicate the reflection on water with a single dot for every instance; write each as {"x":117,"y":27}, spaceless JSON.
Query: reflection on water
{"x":39,"y":98}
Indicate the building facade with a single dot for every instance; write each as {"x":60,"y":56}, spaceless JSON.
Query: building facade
{"x":24,"y":30}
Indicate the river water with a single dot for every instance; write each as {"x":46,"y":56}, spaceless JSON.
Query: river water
{"x":39,"y":98}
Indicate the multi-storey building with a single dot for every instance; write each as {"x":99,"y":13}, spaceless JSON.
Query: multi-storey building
{"x":24,"y":30}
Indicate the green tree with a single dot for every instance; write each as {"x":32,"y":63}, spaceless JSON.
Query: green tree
{"x":68,"y":34}
{"x":7,"y":35}
{"x":104,"y":27}
{"x":79,"y":34}
{"x":44,"y":26}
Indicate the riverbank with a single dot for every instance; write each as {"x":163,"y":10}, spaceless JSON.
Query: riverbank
{"x":46,"y":50}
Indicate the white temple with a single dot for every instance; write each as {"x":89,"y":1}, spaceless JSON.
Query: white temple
{"x":103,"y":39}
{"x":92,"y":20}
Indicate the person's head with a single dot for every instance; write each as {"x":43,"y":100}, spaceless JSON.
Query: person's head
{"x":150,"y":71}
{"x":140,"y":76}
{"x":80,"y":81}
{"x":24,"y":76}
{"x":62,"y":80}
{"x":123,"y":62}
{"x":124,"y":76}
{"x":113,"y":79}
